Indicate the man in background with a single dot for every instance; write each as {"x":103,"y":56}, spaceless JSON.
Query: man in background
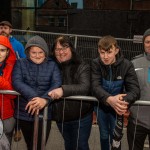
{"x":139,"y":120}
{"x":6,"y":29}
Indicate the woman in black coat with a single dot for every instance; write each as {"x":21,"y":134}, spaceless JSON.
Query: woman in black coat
{"x":75,"y":115}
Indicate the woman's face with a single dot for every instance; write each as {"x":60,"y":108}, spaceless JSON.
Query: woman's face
{"x":3,"y":53}
{"x":62,"y":54}
{"x":37,"y":55}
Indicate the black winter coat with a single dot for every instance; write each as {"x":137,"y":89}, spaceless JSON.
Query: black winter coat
{"x":110,"y":80}
{"x":76,"y":81}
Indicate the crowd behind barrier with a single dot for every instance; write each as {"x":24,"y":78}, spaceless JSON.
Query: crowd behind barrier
{"x":86,"y":46}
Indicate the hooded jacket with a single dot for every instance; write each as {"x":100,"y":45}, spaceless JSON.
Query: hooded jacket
{"x":34,"y":80}
{"x":7,"y":103}
{"x":110,"y":80}
{"x":17,"y":47}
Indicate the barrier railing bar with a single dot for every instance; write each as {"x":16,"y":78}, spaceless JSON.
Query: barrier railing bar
{"x":86,"y":98}
{"x":44,"y":127}
{"x":141,"y":102}
{"x":36,"y":122}
{"x":35,"y":133}
{"x":9,"y":92}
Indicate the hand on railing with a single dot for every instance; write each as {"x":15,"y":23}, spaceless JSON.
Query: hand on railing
{"x":56,"y":93}
{"x":118,"y":104}
{"x":35,"y":104}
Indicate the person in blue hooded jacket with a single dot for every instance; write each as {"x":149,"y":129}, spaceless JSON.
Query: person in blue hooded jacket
{"x":33,"y":77}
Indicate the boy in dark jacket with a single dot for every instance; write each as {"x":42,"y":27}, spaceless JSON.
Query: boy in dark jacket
{"x":33,"y":77}
{"x":115,"y":85}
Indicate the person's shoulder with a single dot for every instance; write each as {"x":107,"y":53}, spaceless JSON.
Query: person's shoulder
{"x":51,"y":60}
{"x":13,"y":39}
{"x":138,"y":56}
{"x":22,"y":59}
{"x":96,"y":61}
{"x":126,"y":62}
{"x":22,"y":62}
{"x":84,"y":64}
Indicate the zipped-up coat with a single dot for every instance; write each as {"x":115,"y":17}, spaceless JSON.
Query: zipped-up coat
{"x":110,"y":80}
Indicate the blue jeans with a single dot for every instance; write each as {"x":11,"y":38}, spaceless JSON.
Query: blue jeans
{"x":76,"y":133}
{"x":106,"y":122}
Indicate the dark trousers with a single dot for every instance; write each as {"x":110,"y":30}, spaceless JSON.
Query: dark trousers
{"x":76,"y":134}
{"x":27,"y":128}
{"x":136,"y":143}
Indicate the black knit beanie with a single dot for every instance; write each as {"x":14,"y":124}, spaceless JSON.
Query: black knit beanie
{"x":146,"y":33}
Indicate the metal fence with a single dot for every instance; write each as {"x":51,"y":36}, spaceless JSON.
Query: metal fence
{"x":55,"y":140}
{"x":86,"y":46}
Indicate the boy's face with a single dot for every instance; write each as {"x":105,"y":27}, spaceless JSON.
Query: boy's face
{"x":37,"y":55}
{"x":108,"y":57}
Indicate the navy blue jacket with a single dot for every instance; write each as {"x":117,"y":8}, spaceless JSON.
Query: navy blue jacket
{"x":34,"y":80}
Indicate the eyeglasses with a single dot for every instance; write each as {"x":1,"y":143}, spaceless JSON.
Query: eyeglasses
{"x":64,"y":49}
{"x":147,"y":42}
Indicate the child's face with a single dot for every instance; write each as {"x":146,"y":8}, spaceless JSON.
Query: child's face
{"x":108,"y":57}
{"x":37,"y":55}
{"x":3,"y":53}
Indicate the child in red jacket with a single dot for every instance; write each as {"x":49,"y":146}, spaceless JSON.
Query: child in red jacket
{"x":7,"y":61}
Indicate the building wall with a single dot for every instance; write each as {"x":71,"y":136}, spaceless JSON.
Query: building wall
{"x":117,"y":4}
{"x":5,"y":10}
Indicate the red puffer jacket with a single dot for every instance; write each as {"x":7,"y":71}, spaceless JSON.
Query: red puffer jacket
{"x":6,"y":101}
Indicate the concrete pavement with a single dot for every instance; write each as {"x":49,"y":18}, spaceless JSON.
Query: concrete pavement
{"x":55,"y":141}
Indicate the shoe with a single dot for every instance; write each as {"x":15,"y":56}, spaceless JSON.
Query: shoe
{"x":17,"y":136}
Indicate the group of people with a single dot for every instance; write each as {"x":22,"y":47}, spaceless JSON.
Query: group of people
{"x":41,"y":77}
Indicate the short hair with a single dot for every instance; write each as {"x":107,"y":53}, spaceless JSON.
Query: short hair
{"x":107,"y":42}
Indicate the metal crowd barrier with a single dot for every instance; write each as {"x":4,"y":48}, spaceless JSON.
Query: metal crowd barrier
{"x":78,"y":98}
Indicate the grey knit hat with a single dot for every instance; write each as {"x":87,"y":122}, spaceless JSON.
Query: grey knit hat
{"x":39,"y":42}
{"x":146,"y":33}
